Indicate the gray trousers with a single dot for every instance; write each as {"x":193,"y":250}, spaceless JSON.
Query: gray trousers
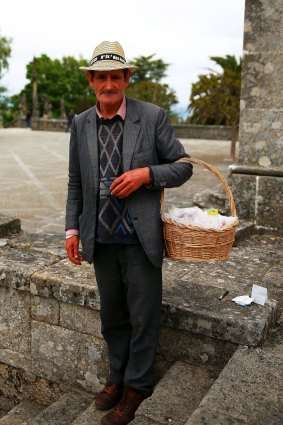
{"x":130,"y":289}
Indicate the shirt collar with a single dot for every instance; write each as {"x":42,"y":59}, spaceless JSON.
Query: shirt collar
{"x":121,"y":111}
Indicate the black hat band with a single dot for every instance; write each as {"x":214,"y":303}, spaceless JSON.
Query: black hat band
{"x":107,"y":57}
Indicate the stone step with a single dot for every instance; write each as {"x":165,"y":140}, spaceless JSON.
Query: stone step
{"x":6,"y":404}
{"x":249,"y":389}
{"x":9,"y":226}
{"x":91,"y":416}
{"x":64,"y":411}
{"x":22,"y":414}
{"x":177,"y":395}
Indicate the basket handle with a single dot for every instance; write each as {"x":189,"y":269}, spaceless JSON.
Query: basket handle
{"x":213,"y":171}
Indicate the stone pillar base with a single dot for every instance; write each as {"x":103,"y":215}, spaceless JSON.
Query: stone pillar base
{"x":259,"y":197}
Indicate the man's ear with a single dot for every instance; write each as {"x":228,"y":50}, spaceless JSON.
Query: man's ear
{"x":90,"y":78}
{"x":128,"y":77}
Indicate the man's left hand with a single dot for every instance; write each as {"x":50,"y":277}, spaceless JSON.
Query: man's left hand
{"x":130,"y":181}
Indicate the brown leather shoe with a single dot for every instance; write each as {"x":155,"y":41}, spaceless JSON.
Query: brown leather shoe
{"x":109,"y":396}
{"x":125,"y":410}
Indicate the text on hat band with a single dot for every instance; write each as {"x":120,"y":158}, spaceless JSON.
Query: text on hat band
{"x":106,"y":57}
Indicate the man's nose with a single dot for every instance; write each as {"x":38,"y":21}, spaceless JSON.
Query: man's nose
{"x":108,"y":83}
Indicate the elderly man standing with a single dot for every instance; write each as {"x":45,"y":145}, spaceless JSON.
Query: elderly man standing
{"x":121,"y":156}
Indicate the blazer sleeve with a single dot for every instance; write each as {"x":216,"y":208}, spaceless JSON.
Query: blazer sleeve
{"x":74,"y":198}
{"x":169,"y":149}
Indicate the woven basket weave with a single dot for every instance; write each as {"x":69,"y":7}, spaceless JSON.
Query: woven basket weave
{"x":194,"y":243}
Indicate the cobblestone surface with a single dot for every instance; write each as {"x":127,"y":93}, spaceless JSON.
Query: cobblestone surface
{"x":34,"y":169}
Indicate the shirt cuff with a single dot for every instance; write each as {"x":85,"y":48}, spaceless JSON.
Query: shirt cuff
{"x":72,"y":232}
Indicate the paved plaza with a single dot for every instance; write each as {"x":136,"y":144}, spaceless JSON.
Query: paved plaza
{"x":34,"y":169}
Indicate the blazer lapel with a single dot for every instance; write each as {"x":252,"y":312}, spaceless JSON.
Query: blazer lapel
{"x":92,"y":144}
{"x":131,"y":133}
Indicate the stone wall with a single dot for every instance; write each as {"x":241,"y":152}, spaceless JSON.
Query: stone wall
{"x":210,"y":132}
{"x":50,"y":325}
{"x":41,"y":124}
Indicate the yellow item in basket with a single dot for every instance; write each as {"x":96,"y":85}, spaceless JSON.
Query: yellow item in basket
{"x":212,"y":212}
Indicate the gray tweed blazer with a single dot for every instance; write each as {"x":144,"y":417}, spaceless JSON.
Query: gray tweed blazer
{"x":148,"y":141}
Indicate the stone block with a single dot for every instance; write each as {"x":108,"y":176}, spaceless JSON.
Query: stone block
{"x":263,"y":26}
{"x":244,"y":192}
{"x":262,"y":81}
{"x":273,"y":281}
{"x":64,"y":411}
{"x":45,"y":310}
{"x":261,"y":138}
{"x":196,"y":308}
{"x":274,"y":344}
{"x":15,"y":359}
{"x":91,"y":416}
{"x":143,"y":421}
{"x":204,"y":416}
{"x":245,"y":230}
{"x":16,"y":267}
{"x":177,"y":395}
{"x":22,"y":414}
{"x":17,"y":384}
{"x":51,"y":245}
{"x":180,"y":345}
{"x":68,"y":283}
{"x":269,"y":202}
{"x":248,"y":389}
{"x":259,"y":199}
{"x":15,"y":320}
{"x":68,"y":357}
{"x":80,"y":319}
{"x":6,"y":405}
{"x":243,"y":267}
{"x":9,"y":226}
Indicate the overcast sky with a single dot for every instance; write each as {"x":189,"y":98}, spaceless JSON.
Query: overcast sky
{"x":184,"y":33}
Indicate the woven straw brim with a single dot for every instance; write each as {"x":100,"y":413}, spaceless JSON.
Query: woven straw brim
{"x":108,"y":66}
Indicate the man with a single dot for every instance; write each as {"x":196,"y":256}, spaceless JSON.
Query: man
{"x":121,"y":156}
{"x":70,"y":118}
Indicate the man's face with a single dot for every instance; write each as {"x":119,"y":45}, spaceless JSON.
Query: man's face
{"x":109,"y":86}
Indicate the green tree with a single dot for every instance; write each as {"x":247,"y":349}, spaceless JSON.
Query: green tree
{"x":145,"y":83}
{"x":5,"y":53}
{"x":57,"y":79}
{"x":215,"y":97}
{"x":149,"y":69}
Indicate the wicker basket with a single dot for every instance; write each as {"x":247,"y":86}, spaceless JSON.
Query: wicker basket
{"x":193,"y":243}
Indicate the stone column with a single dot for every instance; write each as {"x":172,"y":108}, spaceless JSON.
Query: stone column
{"x":257,"y":178}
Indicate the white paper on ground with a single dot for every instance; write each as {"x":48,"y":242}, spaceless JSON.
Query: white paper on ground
{"x":259,"y":294}
{"x":243,"y":300}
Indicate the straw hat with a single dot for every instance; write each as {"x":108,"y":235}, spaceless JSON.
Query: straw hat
{"x":108,"y":56}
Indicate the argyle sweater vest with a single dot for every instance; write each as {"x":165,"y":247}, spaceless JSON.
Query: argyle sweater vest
{"x":114,"y":226}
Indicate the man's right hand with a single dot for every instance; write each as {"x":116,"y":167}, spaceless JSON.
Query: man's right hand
{"x":72,"y":248}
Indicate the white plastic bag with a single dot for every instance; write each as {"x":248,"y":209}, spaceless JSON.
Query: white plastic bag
{"x":209,"y":219}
